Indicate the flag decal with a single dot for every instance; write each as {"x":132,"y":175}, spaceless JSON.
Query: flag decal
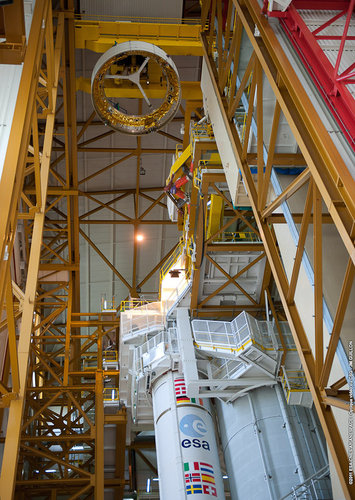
{"x":199,"y":478}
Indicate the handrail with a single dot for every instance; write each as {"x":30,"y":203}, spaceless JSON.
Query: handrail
{"x":171,"y":260}
{"x":317,"y":476}
{"x":111,"y":394}
{"x":237,"y":237}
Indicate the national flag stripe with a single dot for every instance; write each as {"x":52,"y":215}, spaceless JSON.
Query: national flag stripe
{"x":197,"y":401}
{"x":180,"y":391}
{"x":193,"y":488}
{"x":203,"y":466}
{"x":199,"y":467}
{"x":193,"y":478}
{"x":180,"y":388}
{"x":182,"y":399}
{"x":209,"y":490}
{"x":208,"y":478}
{"x":201,"y":473}
{"x":206,"y":468}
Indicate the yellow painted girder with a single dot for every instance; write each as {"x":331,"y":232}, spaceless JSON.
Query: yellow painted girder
{"x":190,"y":90}
{"x":185,"y":155}
{"x":175,"y":39}
{"x":216,"y":215}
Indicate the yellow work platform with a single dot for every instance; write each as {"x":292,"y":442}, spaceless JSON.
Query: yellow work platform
{"x":174,"y":39}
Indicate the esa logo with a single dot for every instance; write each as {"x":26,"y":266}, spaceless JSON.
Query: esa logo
{"x":194,"y":427}
{"x":195,"y":443}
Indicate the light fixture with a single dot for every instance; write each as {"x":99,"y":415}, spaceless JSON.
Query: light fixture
{"x":148,"y":485}
{"x":139,"y":237}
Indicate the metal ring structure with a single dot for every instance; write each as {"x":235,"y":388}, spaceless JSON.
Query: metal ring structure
{"x":134,"y":124}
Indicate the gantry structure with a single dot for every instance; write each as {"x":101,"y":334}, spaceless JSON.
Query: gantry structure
{"x":52,"y":386}
{"x":327,"y":178}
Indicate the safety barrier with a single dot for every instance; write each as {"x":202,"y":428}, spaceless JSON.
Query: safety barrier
{"x":293,"y":381}
{"x":142,"y":319}
{"x":111,"y":396}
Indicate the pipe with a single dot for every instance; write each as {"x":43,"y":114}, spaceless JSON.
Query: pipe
{"x":290,"y":433}
{"x":203,"y":119}
{"x":263,"y":459}
{"x":305,"y":440}
{"x":267,"y":307}
{"x":320,"y":441}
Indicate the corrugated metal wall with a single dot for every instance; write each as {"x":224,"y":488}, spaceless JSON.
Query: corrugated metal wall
{"x":28,"y":5}
{"x":10,"y":76}
{"x":133,"y":8}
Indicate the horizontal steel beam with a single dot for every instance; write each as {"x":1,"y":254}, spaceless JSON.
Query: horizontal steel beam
{"x":189,"y":90}
{"x":173,"y":38}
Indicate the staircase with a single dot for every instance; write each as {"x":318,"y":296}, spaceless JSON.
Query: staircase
{"x":247,"y":347}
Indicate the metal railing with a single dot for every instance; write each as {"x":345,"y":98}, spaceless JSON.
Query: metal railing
{"x":227,"y":368}
{"x":237,"y":334}
{"x":111,"y":394}
{"x":293,"y":381}
{"x":202,"y":131}
{"x":106,"y":305}
{"x":110,"y":356}
{"x":261,"y":332}
{"x":133,"y":303}
{"x":205,"y":166}
{"x":168,"y":264}
{"x":89,"y":361}
{"x":217,"y":334}
{"x":237,"y":237}
{"x":143,"y":318}
{"x":311,"y":487}
{"x":163,"y":343}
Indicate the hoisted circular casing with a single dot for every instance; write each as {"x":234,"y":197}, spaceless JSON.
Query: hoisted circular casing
{"x":129,"y":123}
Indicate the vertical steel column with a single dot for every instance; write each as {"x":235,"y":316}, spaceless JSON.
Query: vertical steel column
{"x":13,"y":435}
{"x":99,"y":436}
